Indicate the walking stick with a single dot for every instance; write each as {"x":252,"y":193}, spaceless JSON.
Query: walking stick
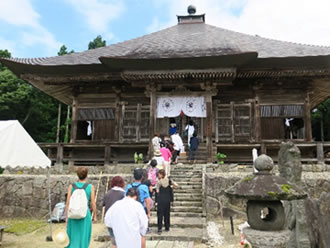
{"x":98,"y":186}
{"x":106,"y":190}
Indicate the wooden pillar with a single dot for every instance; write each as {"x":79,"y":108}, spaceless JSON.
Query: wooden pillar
{"x":59,"y":155}
{"x":307,"y":119}
{"x":257,"y":119}
{"x":117,"y":115}
{"x":74,"y":121}
{"x":209,"y":118}
{"x":107,"y":154}
{"x":151,"y":92}
{"x":320,"y":153}
{"x":121,"y":122}
{"x":138,"y":122}
{"x":232,"y":112}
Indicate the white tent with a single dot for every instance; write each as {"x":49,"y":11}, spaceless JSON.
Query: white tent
{"x":19,"y":149}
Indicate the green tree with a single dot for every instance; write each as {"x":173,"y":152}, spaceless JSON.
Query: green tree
{"x":63,"y":51}
{"x":321,"y":120}
{"x":4,"y":54}
{"x":96,"y":43}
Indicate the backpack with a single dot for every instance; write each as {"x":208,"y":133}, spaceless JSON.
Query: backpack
{"x":138,"y":196}
{"x":152,"y":175}
{"x":58,"y":214}
{"x":78,"y":202}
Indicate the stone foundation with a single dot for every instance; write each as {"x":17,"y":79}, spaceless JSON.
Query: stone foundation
{"x":262,"y":239}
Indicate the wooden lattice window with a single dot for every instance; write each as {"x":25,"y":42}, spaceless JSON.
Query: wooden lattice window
{"x":135,"y":123}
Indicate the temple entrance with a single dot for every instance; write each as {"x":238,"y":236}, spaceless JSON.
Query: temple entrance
{"x":174,"y":113}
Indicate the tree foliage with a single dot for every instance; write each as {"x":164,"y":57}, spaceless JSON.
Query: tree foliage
{"x":63,"y":51}
{"x":35,"y":110}
{"x":96,"y":43}
{"x":321,"y":114}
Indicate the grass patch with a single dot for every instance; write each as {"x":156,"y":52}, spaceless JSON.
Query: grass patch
{"x":22,"y":226}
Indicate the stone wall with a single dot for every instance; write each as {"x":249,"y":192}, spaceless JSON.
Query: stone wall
{"x":27,"y":195}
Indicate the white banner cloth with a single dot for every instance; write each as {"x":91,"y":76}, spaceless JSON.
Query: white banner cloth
{"x":172,"y":106}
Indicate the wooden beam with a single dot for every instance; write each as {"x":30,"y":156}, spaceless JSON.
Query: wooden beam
{"x":107,"y":154}
{"x":74,"y":121}
{"x":232,"y":118}
{"x":209,"y":118}
{"x":257,"y":120}
{"x":151,"y":91}
{"x":138,"y":122}
{"x":59,"y":155}
{"x":307,"y":120}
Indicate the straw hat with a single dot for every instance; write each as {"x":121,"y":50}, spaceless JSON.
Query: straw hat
{"x":60,"y":237}
{"x":157,"y":153}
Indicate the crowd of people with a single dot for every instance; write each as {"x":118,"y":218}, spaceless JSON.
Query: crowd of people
{"x":128,"y":208}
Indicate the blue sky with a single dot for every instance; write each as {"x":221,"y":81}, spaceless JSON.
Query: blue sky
{"x":38,"y":28}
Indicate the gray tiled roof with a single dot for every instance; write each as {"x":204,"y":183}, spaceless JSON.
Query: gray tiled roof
{"x":186,"y":40}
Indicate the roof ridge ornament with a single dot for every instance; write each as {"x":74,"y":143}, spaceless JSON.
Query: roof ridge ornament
{"x":191,"y":17}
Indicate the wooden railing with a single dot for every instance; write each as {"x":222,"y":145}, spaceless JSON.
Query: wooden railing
{"x":100,"y":153}
{"x":107,"y":153}
{"x":313,"y":152}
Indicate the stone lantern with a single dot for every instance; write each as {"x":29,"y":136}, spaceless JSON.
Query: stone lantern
{"x":264,"y":192}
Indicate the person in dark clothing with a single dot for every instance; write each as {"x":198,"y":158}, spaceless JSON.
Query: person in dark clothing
{"x":115,"y":193}
{"x":194,"y":143}
{"x":164,"y":190}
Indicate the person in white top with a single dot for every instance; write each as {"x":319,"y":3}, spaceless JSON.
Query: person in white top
{"x":191,"y":129}
{"x":128,"y":221}
{"x":178,"y":146}
{"x":156,"y":142}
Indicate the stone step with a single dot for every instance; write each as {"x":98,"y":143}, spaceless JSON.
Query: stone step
{"x":187,"y":179}
{"x":186,"y":173}
{"x":182,"y":222}
{"x":188,"y":203}
{"x":182,"y":183}
{"x":189,"y":190}
{"x":180,"y":214}
{"x":190,"y":209}
{"x":178,"y":234}
{"x":192,"y":186}
{"x":168,"y":244}
{"x":188,"y":234}
{"x":187,"y":197}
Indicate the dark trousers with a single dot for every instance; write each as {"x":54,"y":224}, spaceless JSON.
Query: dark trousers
{"x":192,"y":154}
{"x":163,"y":212}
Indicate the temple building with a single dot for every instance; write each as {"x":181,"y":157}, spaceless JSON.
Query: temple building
{"x":242,"y":91}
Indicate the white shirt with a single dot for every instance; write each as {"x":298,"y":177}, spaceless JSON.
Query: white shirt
{"x":178,"y":144}
{"x":129,"y":222}
{"x":191,"y":129}
{"x":160,"y":161}
{"x":156,"y":142}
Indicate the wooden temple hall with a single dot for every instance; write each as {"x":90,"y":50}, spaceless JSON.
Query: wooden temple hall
{"x":242,"y":91}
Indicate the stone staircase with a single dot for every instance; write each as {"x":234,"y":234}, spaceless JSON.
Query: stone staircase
{"x":201,"y":156}
{"x":187,"y":221}
{"x":188,"y":225}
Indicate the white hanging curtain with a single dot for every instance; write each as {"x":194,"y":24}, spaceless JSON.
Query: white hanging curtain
{"x":172,"y":106}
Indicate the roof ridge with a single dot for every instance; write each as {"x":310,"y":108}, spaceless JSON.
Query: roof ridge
{"x":270,"y":39}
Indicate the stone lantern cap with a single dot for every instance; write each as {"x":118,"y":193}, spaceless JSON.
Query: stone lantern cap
{"x":264,"y":185}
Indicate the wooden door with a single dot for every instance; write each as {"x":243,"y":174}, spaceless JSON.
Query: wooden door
{"x":233,"y":122}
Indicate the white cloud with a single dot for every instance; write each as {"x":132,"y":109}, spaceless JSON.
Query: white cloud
{"x":21,"y":13}
{"x":302,"y":21}
{"x":99,"y":13}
